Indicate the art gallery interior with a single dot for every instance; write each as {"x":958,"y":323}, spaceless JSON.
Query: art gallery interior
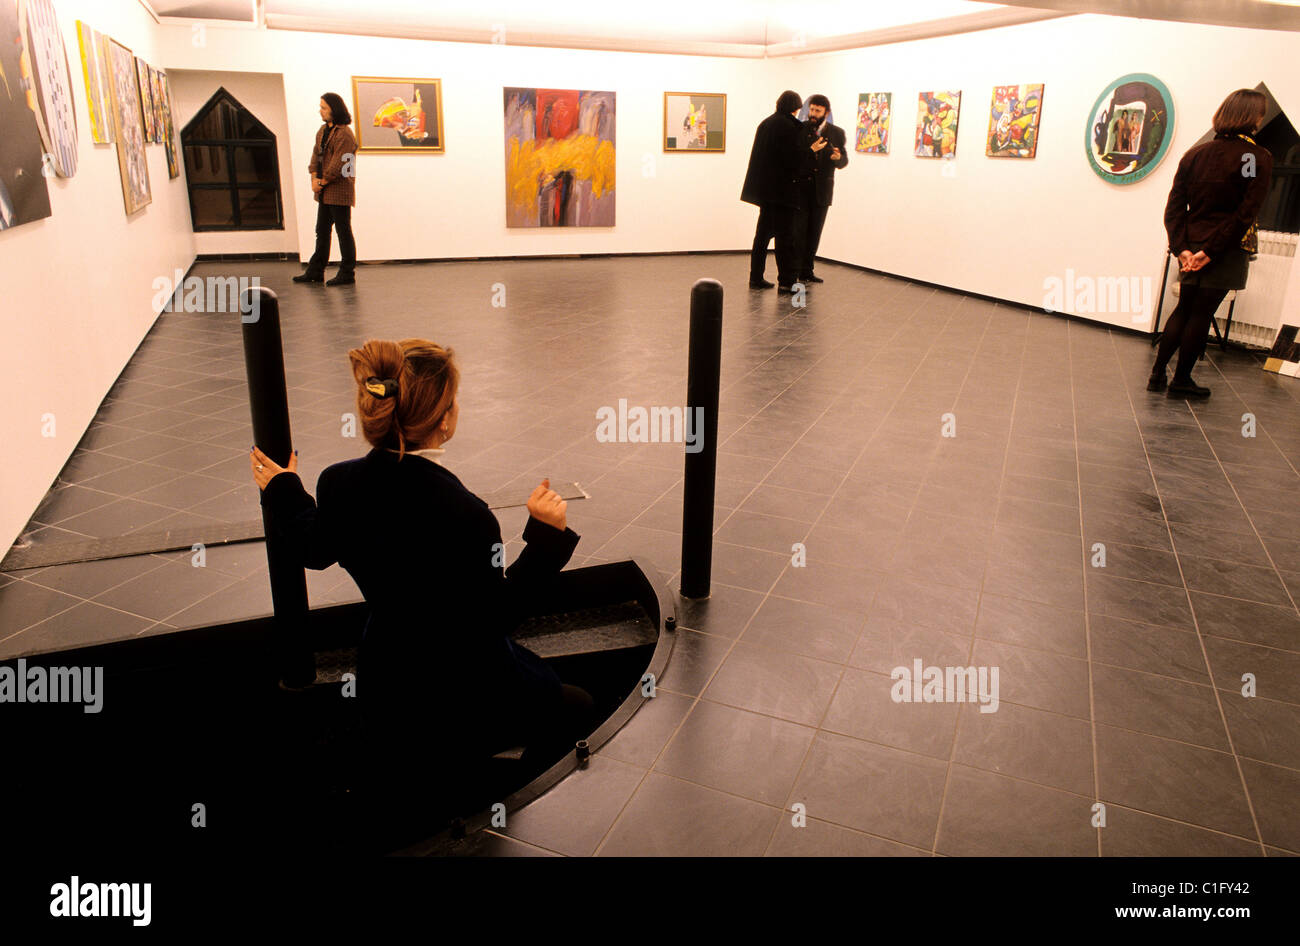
{"x":941,"y":458}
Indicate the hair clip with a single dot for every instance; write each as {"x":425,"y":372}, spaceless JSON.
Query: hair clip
{"x":387,"y":387}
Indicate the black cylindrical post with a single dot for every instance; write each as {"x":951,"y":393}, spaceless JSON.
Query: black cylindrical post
{"x":703,"y":375}
{"x":268,"y":400}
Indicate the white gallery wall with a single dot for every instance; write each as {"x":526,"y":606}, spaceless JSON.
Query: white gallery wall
{"x":262,"y":94}
{"x":433,"y":206}
{"x":77,"y":294}
{"x":76,"y":289}
{"x":1002,"y":226}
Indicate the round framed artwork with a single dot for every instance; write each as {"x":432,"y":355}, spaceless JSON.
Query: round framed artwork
{"x":1129,"y":128}
{"x":49,"y":80}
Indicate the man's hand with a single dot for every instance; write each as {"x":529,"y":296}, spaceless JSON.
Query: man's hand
{"x":819,"y":144}
{"x":545,"y":505}
{"x":835,"y":154}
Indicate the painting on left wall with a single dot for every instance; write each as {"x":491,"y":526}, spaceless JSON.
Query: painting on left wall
{"x":96,"y":78}
{"x":24,"y":193}
{"x":128,"y":126}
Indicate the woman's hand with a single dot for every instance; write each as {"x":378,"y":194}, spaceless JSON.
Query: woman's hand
{"x":264,"y":468}
{"x":1184,"y":258}
{"x":1198,"y":261}
{"x":545,"y":505}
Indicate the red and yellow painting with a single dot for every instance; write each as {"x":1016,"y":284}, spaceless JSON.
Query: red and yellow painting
{"x":559,"y":158}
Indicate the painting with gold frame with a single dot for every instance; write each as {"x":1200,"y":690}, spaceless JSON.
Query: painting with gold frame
{"x":398,"y":116}
{"x":695,"y":121}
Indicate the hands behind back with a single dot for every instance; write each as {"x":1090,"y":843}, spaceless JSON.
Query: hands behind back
{"x":545,"y":505}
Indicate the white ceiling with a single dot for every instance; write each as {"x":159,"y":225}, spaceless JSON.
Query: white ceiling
{"x":718,"y":27}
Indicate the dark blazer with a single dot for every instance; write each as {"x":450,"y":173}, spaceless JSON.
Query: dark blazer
{"x":1213,"y":202}
{"x":328,"y":164}
{"x":823,"y":168}
{"x":426,"y":554}
{"x":773,"y":162}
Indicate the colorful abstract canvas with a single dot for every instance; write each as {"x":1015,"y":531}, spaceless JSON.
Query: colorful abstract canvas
{"x":128,"y":126}
{"x":144,"y":91}
{"x":873,"y":122}
{"x":169,"y":128}
{"x":24,"y":191}
{"x":1013,"y":121}
{"x":695,"y":121}
{"x":559,"y":158}
{"x":398,"y":116}
{"x":936,"y":124}
{"x":49,"y":83}
{"x":1130,"y":128}
{"x":96,"y":79}
{"x":155,"y":93}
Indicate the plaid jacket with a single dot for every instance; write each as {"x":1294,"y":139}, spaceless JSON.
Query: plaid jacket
{"x":340,"y":189}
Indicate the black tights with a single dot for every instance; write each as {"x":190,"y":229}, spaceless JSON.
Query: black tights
{"x":1187,"y":329}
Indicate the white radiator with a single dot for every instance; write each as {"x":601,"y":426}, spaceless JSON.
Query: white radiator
{"x":1257,"y":313}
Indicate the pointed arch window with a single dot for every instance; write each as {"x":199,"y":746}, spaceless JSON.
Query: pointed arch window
{"x":232,"y":168}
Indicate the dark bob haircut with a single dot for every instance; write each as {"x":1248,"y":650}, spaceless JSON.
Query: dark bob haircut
{"x":1240,"y":112}
{"x":340,"y":111}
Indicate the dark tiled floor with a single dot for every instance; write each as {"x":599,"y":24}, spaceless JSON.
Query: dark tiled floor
{"x":852,"y":537}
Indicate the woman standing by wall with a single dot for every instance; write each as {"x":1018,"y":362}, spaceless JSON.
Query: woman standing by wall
{"x":333,"y":170}
{"x":1210,"y":219}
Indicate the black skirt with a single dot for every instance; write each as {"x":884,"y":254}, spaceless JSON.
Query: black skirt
{"x":1227,"y":272}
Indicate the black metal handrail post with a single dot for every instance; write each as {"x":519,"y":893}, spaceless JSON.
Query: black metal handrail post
{"x":703,"y":381}
{"x":268,"y":400}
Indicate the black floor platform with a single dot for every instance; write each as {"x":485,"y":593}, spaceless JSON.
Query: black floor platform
{"x":1119,"y":684}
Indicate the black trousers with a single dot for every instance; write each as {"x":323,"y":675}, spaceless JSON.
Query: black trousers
{"x":808,"y":222}
{"x":340,"y":218}
{"x":774,"y":222}
{"x":1187,"y":329}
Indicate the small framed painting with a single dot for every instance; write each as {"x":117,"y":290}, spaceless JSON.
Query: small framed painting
{"x":695,"y":121}
{"x":398,"y":116}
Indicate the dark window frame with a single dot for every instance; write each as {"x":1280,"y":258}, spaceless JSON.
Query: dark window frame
{"x":232,"y":186}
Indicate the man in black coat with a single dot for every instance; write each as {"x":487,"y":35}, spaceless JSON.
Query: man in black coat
{"x":769,"y":183}
{"x":827,"y":142}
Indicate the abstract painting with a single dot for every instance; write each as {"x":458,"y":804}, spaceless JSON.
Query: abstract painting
{"x":169,"y":128}
{"x":145,"y":93}
{"x":128,"y":125}
{"x":1284,"y":357}
{"x":559,"y":158}
{"x":24,"y":192}
{"x":155,"y":93}
{"x":1130,"y":128}
{"x":96,"y":79}
{"x":398,"y":116}
{"x":50,"y":83}
{"x":695,"y":121}
{"x":1013,"y":121}
{"x":936,"y":124}
{"x":873,"y":122}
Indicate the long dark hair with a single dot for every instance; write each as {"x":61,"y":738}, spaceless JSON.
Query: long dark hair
{"x":341,"y":115}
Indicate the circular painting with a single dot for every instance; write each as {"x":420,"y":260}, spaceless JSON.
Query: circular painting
{"x":45,"y":67}
{"x":1130,"y":128}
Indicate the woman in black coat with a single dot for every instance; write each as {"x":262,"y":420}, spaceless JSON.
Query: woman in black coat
{"x":437,"y":674}
{"x":1210,"y":219}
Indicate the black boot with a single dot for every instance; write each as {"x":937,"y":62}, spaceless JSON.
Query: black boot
{"x":341,"y":279}
{"x":309,"y":277}
{"x":1158,"y":380}
{"x":1187,"y":388}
